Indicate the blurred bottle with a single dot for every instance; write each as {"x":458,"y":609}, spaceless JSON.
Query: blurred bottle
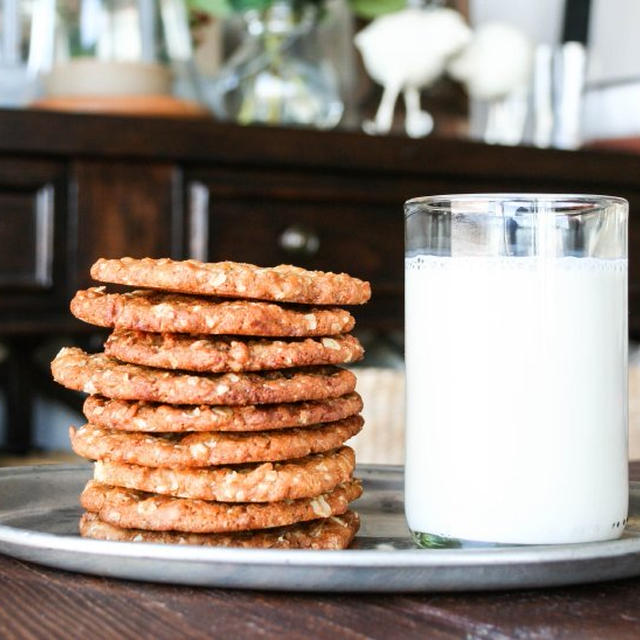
{"x":111,"y":55}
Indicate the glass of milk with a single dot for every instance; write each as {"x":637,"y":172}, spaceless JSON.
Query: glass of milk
{"x":516,"y":361}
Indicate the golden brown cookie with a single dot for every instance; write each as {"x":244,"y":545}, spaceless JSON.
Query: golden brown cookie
{"x":156,"y":311}
{"x":148,"y":417}
{"x":284,"y":283}
{"x":137,"y":510}
{"x":262,"y":482}
{"x":332,"y":533}
{"x":210,"y":449}
{"x":224,"y":353}
{"x":97,"y":373}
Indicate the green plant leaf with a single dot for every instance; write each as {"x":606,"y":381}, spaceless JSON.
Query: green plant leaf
{"x":213,"y":7}
{"x":368,"y":9}
{"x":247,"y":5}
{"x":373,"y":8}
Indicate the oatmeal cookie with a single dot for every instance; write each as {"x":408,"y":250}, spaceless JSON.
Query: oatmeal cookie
{"x":213,"y":448}
{"x":262,"y":482}
{"x":156,"y":311}
{"x":125,"y":415}
{"x":97,"y":373}
{"x":335,"y":532}
{"x":138,"y":510}
{"x":224,"y":353}
{"x":284,"y":283}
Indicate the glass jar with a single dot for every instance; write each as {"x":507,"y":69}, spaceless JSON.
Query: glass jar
{"x":280,"y":73}
{"x":125,"y":54}
{"x":516,"y":362}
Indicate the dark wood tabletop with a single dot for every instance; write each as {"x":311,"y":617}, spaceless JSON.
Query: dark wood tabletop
{"x":36,"y":602}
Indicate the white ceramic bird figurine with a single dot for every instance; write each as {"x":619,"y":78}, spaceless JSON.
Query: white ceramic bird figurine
{"x":496,"y":67}
{"x":404,"y":52}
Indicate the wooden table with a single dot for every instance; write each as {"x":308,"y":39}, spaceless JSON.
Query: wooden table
{"x":36,"y":602}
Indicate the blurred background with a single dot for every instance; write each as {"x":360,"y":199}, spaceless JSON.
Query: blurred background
{"x":274,"y":131}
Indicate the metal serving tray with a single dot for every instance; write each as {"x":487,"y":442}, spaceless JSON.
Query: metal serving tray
{"x":39,"y":512}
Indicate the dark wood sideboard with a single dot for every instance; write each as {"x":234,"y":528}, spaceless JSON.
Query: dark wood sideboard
{"x":77,"y":187}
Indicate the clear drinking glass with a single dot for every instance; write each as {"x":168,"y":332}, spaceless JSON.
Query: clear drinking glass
{"x":516,"y":361}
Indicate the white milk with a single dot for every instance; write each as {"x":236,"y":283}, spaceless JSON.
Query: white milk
{"x":516,"y":398}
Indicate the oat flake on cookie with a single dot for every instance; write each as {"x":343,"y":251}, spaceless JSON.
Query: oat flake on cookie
{"x":284,"y":283}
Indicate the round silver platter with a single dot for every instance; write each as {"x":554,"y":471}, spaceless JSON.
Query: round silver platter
{"x":39,"y":512}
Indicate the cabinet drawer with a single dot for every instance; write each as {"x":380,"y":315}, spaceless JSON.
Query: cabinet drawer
{"x":33,"y":239}
{"x":26,"y":237}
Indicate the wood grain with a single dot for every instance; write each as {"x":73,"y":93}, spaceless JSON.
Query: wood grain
{"x":39,"y":603}
{"x":203,"y":139}
{"x":123,"y":210}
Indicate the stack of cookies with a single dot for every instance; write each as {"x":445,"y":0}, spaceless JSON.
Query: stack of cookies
{"x":217,"y":413}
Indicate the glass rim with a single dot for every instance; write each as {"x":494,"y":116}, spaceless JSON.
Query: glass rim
{"x":599,"y":200}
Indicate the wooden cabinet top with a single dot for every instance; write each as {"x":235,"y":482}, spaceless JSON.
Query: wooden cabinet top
{"x":202,"y":140}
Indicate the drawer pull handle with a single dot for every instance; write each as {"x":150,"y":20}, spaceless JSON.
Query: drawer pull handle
{"x":298,"y":240}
